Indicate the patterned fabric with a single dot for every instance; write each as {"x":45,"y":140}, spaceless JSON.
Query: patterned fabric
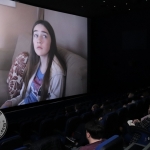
{"x":143,"y":124}
{"x":15,"y":76}
{"x":135,"y":138}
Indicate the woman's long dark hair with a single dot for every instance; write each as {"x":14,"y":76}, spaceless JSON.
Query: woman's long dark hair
{"x":34,"y":60}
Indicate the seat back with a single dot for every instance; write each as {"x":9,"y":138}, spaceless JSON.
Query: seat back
{"x":139,"y":135}
{"x":36,"y":123}
{"x":131,"y":111}
{"x":60,"y":122}
{"x":122,"y":115}
{"x":146,"y":103}
{"x":11,"y":143}
{"x":139,"y":106}
{"x":98,"y":113}
{"x":71,"y":125}
{"x":22,"y":148}
{"x":71,"y":114}
{"x":147,"y":147}
{"x":25,"y":129}
{"x":86,"y":117}
{"x":49,"y":143}
{"x":110,"y":122}
{"x":46,"y":127}
{"x":113,"y":143}
{"x":134,"y":146}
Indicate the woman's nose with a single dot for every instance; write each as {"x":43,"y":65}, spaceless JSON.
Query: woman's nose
{"x":39,"y":39}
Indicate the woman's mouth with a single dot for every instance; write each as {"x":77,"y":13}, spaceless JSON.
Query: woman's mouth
{"x":39,"y":47}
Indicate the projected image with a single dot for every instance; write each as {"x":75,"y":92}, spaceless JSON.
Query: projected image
{"x":43,"y":55}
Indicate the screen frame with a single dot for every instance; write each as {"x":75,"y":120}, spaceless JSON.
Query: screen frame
{"x":63,"y":99}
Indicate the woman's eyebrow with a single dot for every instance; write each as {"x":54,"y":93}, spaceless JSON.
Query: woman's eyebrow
{"x":44,"y":32}
{"x":41,"y":31}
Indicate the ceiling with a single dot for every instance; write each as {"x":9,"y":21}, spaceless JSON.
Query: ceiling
{"x":92,"y":8}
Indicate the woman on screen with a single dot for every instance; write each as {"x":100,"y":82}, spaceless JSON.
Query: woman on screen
{"x":45,"y":76}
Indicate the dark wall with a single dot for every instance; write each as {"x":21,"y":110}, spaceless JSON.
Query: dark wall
{"x":120,"y":52}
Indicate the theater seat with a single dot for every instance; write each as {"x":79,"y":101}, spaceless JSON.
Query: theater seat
{"x":11,"y":143}
{"x":25,"y":129}
{"x":122,"y":116}
{"x":135,"y":146}
{"x":110,"y":122}
{"x":113,"y":143}
{"x":131,"y":111}
{"x":60,"y":122}
{"x":71,"y":125}
{"x":142,"y":135}
{"x":147,"y":147}
{"x":22,"y":148}
{"x":85,"y":117}
{"x":45,"y":129}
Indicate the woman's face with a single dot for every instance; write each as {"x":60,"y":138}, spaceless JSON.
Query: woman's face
{"x":41,"y":40}
{"x":92,"y":108}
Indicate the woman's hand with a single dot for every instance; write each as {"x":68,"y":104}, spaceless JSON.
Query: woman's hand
{"x":7,"y":104}
{"x":100,"y":119}
{"x":135,"y":121}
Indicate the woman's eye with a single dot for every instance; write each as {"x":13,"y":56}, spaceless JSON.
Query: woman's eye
{"x":35,"y":35}
{"x":44,"y":36}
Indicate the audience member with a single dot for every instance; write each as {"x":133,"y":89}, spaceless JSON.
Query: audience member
{"x":125,"y":103}
{"x":95,"y":135}
{"x":130,"y":99}
{"x":68,"y":110}
{"x":77,"y":107}
{"x":106,"y":110}
{"x":105,"y":103}
{"x":145,"y":94}
{"x":143,"y":123}
{"x":131,"y":95}
{"x":95,"y":107}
